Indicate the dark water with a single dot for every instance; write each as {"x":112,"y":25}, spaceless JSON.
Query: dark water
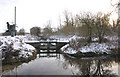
{"x":59,"y":64}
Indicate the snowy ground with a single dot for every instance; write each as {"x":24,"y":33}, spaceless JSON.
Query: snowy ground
{"x":18,"y":43}
{"x":97,"y":48}
{"x":92,"y":47}
{"x":68,"y":49}
{"x":62,"y":38}
{"x":28,"y":38}
{"x":13,"y":44}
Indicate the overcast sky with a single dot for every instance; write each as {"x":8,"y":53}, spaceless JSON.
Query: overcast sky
{"x":37,"y":12}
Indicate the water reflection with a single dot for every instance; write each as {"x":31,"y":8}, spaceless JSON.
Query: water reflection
{"x":100,"y":66}
{"x":54,"y":63}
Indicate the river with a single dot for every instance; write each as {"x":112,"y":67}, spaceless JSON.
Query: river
{"x":60,"y":64}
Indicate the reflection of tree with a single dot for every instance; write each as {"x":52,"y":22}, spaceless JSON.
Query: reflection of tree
{"x":9,"y":68}
{"x":100,"y":68}
{"x":89,"y":67}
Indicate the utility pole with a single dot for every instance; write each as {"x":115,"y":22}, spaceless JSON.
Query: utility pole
{"x":13,"y":27}
{"x":119,"y":9}
{"x":118,"y":36}
{"x":15,"y":17}
{"x":15,"y":20}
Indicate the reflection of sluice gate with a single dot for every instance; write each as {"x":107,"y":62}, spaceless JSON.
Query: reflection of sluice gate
{"x":49,"y":53}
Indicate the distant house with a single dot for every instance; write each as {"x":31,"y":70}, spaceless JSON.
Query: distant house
{"x":11,"y":30}
{"x":7,"y":33}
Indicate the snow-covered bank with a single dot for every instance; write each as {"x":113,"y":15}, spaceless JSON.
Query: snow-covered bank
{"x":98,"y":48}
{"x":68,"y":49}
{"x":16,"y":45}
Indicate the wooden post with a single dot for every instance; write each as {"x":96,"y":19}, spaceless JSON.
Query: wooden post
{"x":48,"y":44}
{"x":56,"y":46}
{"x":40,"y":48}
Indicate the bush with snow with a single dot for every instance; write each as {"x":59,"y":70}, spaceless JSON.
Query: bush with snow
{"x":68,"y":49}
{"x":97,"y":48}
{"x":76,"y":45}
{"x":17,"y":46}
{"x":72,"y":46}
{"x":73,"y":42}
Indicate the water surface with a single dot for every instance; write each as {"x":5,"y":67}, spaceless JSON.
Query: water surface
{"x":59,"y":64}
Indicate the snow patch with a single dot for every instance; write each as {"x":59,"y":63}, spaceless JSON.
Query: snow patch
{"x":97,"y":48}
{"x":13,"y":44}
{"x":68,"y":49}
{"x":92,"y":47}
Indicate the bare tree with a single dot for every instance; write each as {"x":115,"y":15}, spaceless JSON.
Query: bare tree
{"x":47,"y":30}
{"x":102,"y":25}
{"x":87,"y":22}
{"x":35,"y":31}
{"x":69,"y":24}
{"x":60,"y":22}
{"x":67,"y":17}
{"x":115,"y":26}
{"x":22,"y":31}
